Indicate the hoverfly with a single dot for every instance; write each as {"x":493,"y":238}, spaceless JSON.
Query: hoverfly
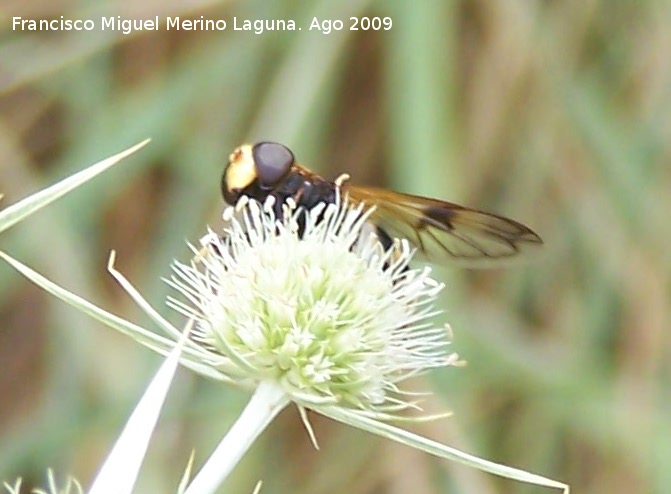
{"x":440,"y":230}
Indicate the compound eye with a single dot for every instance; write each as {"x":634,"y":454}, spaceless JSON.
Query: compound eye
{"x":273,"y":162}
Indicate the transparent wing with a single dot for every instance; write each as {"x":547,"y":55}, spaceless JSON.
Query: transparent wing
{"x":444,"y":231}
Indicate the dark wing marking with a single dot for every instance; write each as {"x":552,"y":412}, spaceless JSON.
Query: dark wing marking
{"x":444,"y":231}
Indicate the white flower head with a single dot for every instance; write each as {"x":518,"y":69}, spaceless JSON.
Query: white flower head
{"x":310,"y":300}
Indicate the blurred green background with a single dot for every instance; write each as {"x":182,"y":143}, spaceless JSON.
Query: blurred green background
{"x":557,"y":114}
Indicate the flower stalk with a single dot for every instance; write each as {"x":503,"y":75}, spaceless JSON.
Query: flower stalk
{"x":267,"y":401}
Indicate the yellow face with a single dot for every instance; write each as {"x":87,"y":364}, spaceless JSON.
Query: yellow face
{"x":241,"y":169}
